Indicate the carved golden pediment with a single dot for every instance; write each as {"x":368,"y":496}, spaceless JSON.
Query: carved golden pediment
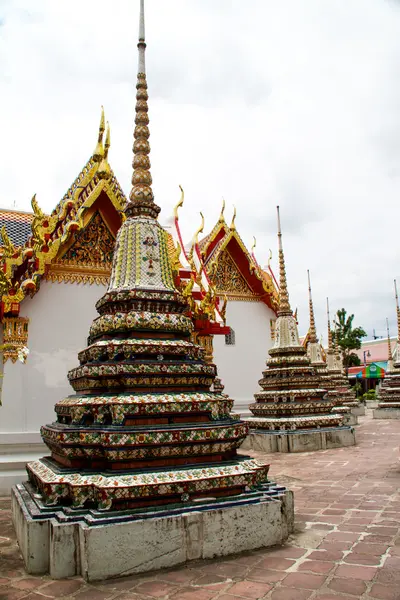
{"x":229,"y":280}
{"x":88,"y":258}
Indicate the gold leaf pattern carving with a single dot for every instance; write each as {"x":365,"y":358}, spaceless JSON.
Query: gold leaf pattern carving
{"x":228,"y":277}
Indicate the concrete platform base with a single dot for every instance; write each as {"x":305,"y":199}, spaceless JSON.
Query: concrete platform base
{"x":386,"y":413}
{"x":350,"y":419}
{"x":358,"y":411}
{"x":299,"y":441}
{"x":66,"y":542}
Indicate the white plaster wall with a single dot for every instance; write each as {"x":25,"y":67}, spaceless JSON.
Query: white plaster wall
{"x":240,"y":366}
{"x":60,"y":316}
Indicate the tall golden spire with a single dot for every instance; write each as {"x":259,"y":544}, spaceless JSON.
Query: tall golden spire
{"x":330,"y":345}
{"x":390,"y":355}
{"x":312,"y":331}
{"x":398,"y":311}
{"x":284,"y":305}
{"x":141,"y":196}
{"x":99,"y":150}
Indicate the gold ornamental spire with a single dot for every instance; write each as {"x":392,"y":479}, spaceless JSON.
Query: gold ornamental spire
{"x":221,"y":216}
{"x":312,"y":331}
{"x":104,"y":171}
{"x":179,"y":203}
{"x":330,"y":345}
{"x":390,"y":355}
{"x":141,"y":196}
{"x":99,"y":150}
{"x":233,"y":226}
{"x":398,"y":311}
{"x":284,"y":305}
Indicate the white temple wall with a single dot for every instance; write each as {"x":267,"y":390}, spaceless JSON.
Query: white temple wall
{"x":240,"y":365}
{"x":60,"y":315}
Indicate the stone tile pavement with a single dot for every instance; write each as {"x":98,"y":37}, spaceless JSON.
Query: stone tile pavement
{"x":346,"y":544}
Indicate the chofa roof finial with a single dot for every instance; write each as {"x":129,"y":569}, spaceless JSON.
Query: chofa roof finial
{"x":99,"y":150}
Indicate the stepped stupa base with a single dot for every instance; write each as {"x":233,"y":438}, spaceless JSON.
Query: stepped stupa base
{"x":387,"y":410}
{"x":65,"y":541}
{"x":300,"y":440}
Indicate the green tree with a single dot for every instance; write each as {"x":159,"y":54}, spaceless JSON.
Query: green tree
{"x":348,"y":338}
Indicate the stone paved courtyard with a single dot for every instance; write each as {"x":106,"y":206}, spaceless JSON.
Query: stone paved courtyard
{"x":346,"y":543}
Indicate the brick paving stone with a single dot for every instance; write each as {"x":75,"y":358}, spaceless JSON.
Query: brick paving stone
{"x":128,"y":596}
{"x":179,"y":575}
{"x":355,"y":587}
{"x":121,"y":584}
{"x":286,"y":552}
{"x":326,"y":555}
{"x":323,"y":596}
{"x":304,"y":581}
{"x":384,"y":592}
{"x":392,"y":562}
{"x":377,"y":539}
{"x":366,"y":548}
{"x":226,"y":569}
{"x":250,"y":589}
{"x":276,"y":564}
{"x":362,"y":559}
{"x":265,"y":575}
{"x":389,"y":576}
{"x":342,"y":536}
{"x":7,"y":593}
{"x":157,"y":589}
{"x":94,"y":594}
{"x":29,"y":583}
{"x":356,"y":572}
{"x":60,"y":588}
{"x":388,"y":531}
{"x":209,"y":579}
{"x":316,"y":566}
{"x":345,"y":526}
{"x":192,"y":594}
{"x":289,"y":594}
{"x":334,"y":511}
{"x":331,"y":545}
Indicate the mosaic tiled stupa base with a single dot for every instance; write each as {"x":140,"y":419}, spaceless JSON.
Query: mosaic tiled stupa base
{"x":292,"y":402}
{"x":314,"y":353}
{"x":144,"y":427}
{"x":389,"y":392}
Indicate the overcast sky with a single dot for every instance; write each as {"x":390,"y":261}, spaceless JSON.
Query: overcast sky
{"x":263,"y":102}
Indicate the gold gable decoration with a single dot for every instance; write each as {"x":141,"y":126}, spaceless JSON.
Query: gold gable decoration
{"x":15,"y":338}
{"x":89,"y":258}
{"x":229,"y":281}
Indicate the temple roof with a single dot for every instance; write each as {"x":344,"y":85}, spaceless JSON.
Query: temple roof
{"x":17,"y":224}
{"x":234,"y":268}
{"x":35,"y":240}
